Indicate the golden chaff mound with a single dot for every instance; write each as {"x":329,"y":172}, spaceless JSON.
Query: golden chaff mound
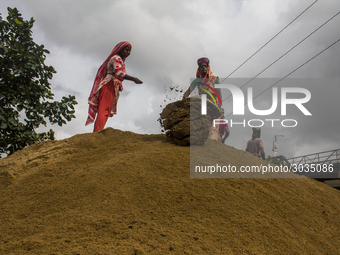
{"x":116,"y":192}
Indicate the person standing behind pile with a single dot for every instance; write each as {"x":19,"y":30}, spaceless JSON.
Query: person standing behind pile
{"x":255,"y":144}
{"x":107,"y":85}
{"x":206,"y":82}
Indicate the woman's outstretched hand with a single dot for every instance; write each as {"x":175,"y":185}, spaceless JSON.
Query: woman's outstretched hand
{"x":131,"y":78}
{"x":137,"y":81}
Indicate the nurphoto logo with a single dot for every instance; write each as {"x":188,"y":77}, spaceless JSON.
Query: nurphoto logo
{"x":239,"y":105}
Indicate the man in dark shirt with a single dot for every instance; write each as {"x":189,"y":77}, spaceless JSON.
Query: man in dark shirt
{"x":255,"y":144}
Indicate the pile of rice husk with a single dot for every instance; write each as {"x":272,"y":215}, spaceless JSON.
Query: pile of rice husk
{"x":116,"y":192}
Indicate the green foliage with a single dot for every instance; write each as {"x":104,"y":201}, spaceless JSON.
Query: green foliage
{"x":276,"y":160}
{"x":25,"y":92}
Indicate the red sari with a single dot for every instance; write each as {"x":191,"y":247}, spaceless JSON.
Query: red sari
{"x":208,"y":83}
{"x":105,"y":91}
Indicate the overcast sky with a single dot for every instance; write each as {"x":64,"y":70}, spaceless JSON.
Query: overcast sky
{"x":168,"y":37}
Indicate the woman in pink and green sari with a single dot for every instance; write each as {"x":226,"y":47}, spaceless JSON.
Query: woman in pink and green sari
{"x":205,"y":82}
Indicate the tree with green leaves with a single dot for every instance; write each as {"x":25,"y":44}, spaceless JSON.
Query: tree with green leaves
{"x":278,"y":160}
{"x":26,"y":100}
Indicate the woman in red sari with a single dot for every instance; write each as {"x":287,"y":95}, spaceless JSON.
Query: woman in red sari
{"x":205,"y":82}
{"x":107,"y":85}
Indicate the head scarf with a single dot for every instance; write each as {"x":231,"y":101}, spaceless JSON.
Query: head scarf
{"x":201,"y":60}
{"x":101,"y":74}
{"x":209,"y":73}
